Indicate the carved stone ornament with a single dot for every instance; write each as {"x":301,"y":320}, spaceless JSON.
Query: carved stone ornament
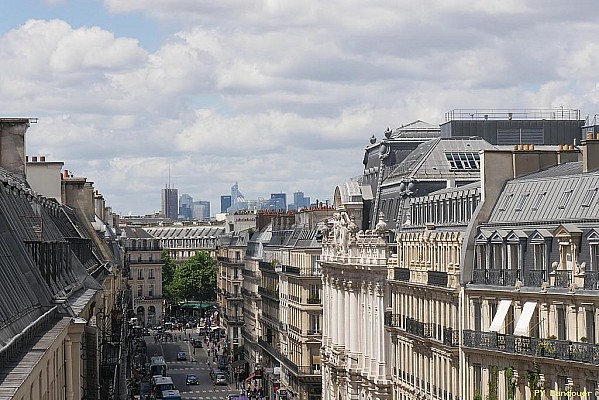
{"x":381,"y":227}
{"x":325,"y":230}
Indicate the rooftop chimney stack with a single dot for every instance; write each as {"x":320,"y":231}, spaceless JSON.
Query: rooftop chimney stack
{"x":12,"y":144}
{"x":590,"y":154}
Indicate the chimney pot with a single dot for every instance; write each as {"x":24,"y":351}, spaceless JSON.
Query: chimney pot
{"x":598,"y":136}
{"x":590,"y":136}
{"x":66,"y":173}
{"x":34,"y":159}
{"x":515,"y":147}
{"x":42,"y":158}
{"x":560,"y":147}
{"x":26,"y":158}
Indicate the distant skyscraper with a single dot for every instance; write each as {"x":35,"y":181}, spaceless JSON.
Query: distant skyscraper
{"x":201,"y":210}
{"x":300,"y":201}
{"x":236,"y":196}
{"x":278,"y":201}
{"x":170,"y":206}
{"x":225,"y":203}
{"x":186,"y":206}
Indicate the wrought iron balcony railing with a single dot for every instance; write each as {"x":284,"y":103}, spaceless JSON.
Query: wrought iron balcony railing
{"x":537,"y":347}
{"x":591,"y":280}
{"x":401,"y":274}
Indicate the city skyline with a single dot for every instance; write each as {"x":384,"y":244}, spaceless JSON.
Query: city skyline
{"x":217,"y":92}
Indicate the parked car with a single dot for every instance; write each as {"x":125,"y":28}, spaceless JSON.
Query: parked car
{"x":220,"y":379}
{"x":191,"y":379}
{"x":214,"y":372}
{"x":181,"y":356}
{"x":197,"y":343}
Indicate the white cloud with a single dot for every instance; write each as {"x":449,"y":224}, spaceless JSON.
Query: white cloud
{"x":280,"y":95}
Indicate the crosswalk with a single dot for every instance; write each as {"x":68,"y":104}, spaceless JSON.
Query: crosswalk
{"x":206,"y":394}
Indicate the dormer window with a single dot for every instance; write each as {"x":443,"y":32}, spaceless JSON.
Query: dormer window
{"x":538,"y":200}
{"x":464,"y":161}
{"x":521,"y":202}
{"x":588,"y":197}
{"x":563,"y":201}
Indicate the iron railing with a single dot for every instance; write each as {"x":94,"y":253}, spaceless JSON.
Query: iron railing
{"x":537,"y":347}
{"x":563,"y":278}
{"x":591,"y":280}
{"x":401,"y":274}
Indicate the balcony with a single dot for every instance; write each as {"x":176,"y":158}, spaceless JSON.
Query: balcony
{"x":401,"y":274}
{"x":316,"y":332}
{"x":269,"y":293}
{"x":233,"y":296}
{"x":266,"y":266}
{"x":563,"y":278}
{"x":546,"y":348}
{"x":437,"y":278}
{"x":314,"y":300}
{"x":138,"y":261}
{"x":289,"y":269}
{"x":290,"y":365}
{"x":234,"y":319}
{"x":496,"y":277}
{"x":228,"y":260}
{"x":536,"y":277}
{"x":451,"y":337}
{"x":591,"y":280}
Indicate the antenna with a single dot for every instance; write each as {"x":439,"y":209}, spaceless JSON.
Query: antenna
{"x":169,"y":176}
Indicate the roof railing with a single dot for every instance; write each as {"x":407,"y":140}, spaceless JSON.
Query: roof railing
{"x":555,"y":114}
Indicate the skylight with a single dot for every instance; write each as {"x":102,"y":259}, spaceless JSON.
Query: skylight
{"x":464,"y":161}
{"x":563,"y":201}
{"x":588,"y":197}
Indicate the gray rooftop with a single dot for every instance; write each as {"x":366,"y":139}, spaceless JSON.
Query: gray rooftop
{"x":429,"y":161}
{"x":556,"y":194}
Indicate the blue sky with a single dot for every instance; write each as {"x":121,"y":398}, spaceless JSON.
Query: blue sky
{"x":277,"y":95}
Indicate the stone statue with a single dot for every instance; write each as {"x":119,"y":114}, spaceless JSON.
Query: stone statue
{"x":336,"y":229}
{"x":353,"y":229}
{"x":344,"y":233}
{"x":325,"y":230}
{"x":381,"y":227}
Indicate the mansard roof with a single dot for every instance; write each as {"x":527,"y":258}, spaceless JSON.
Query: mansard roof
{"x":549,"y":196}
{"x":37,"y":262}
{"x":431,"y":160}
{"x":416,"y":130}
{"x":186,"y":232}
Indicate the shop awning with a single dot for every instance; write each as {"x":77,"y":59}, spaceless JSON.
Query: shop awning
{"x":196,"y":306}
{"x":238,"y":363}
{"x":502,"y":309}
{"x":527,"y":311}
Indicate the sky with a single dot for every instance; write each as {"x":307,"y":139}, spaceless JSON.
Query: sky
{"x":279,"y":96}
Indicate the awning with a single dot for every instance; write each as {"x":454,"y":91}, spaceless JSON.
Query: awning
{"x":502,"y":309}
{"x":527,"y":311}
{"x":250,"y":377}
{"x":238,"y":363}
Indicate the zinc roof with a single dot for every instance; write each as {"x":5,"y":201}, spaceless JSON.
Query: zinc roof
{"x":548,"y":196}
{"x":429,"y":160}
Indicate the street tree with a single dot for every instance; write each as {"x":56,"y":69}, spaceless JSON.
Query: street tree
{"x":194,"y":279}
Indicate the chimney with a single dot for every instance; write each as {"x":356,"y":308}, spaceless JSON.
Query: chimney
{"x":42,"y":158}
{"x":590,"y":154}
{"x":34,"y":159}
{"x":65,"y":173}
{"x":12,"y":144}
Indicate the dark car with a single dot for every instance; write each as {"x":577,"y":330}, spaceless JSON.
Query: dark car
{"x":181,"y":356}
{"x":197,"y":343}
{"x":191,"y":379}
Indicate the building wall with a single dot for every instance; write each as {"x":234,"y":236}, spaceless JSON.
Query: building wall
{"x":44,"y":178}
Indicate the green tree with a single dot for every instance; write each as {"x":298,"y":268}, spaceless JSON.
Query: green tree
{"x":195,"y":279}
{"x":168,"y":273}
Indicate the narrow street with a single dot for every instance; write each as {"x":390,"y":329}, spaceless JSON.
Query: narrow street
{"x":195,"y":364}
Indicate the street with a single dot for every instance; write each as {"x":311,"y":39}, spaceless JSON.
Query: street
{"x":195,"y":364}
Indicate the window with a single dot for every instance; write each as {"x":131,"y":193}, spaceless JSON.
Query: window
{"x":563,"y":201}
{"x":506,"y":201}
{"x":151,"y":291}
{"x":588,"y":197}
{"x":315,"y":323}
{"x":594,"y":257}
{"x":521,"y":202}
{"x":492,"y":310}
{"x":478,"y":382}
{"x":513,"y":261}
{"x":140,"y":290}
{"x":590,"y":320}
{"x":539,"y":256}
{"x":463,"y":161}
{"x":561,"y":323}
{"x":477,"y":316}
{"x":481,"y":259}
{"x":140,"y":274}
{"x":151,"y":273}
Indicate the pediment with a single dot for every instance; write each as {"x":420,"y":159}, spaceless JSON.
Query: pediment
{"x":567,"y":230}
{"x":593,"y":236}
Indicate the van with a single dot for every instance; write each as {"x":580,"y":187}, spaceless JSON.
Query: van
{"x":163,"y":384}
